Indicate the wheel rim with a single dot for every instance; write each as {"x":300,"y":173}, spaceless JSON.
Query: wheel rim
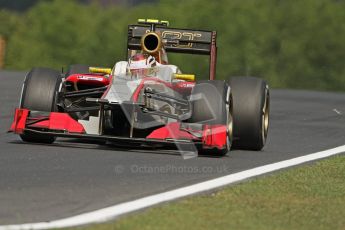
{"x":265,"y":116}
{"x":229,"y":127}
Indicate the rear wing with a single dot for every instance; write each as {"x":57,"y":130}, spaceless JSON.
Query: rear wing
{"x":179,"y":41}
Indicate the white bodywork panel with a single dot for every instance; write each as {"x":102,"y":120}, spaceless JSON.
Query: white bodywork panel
{"x":91,"y":126}
{"x":121,"y":89}
{"x":124,"y":85}
{"x":120,"y":68}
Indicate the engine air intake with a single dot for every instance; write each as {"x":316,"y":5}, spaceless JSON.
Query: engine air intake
{"x":151,"y":42}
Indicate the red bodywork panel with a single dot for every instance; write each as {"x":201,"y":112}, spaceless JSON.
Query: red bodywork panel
{"x":171,"y":131}
{"x":214,"y":136}
{"x":19,"y":122}
{"x":55,"y":121}
{"x":89,"y":79}
{"x":211,"y":136}
{"x":183,"y":87}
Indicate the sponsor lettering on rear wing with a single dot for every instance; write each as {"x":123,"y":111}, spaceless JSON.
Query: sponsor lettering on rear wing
{"x":176,"y":40}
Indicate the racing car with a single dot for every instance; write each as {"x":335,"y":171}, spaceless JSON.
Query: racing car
{"x":145,"y":101}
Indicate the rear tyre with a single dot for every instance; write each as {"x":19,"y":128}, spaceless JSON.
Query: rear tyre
{"x":251,"y":102}
{"x":39,"y":94}
{"x":212,"y":104}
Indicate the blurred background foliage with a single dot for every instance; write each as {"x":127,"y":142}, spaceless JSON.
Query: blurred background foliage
{"x":292,"y":44}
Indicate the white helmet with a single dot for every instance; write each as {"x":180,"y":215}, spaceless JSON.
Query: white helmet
{"x":141,"y":61}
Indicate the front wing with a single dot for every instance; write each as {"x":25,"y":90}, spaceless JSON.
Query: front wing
{"x":173,"y":134}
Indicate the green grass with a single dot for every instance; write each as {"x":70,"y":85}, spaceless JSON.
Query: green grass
{"x":305,"y":197}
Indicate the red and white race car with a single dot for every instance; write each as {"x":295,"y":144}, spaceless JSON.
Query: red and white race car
{"x":146,"y":101}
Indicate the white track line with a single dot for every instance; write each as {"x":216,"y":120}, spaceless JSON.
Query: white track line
{"x":112,"y":212}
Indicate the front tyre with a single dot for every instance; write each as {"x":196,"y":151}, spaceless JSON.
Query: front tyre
{"x":212,"y":105}
{"x":39,"y":94}
{"x":251,"y":102}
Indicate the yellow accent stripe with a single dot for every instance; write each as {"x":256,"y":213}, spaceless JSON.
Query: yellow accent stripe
{"x":153,"y":21}
{"x":99,"y":70}
{"x":186,"y":77}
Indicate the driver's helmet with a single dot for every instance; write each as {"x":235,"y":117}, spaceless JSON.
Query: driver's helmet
{"x":141,"y":64}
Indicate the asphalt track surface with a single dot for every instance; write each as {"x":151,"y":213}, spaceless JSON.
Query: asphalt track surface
{"x":47,"y":182}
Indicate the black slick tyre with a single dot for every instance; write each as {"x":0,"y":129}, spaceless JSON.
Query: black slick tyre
{"x":251,"y":106}
{"x":39,"y":94}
